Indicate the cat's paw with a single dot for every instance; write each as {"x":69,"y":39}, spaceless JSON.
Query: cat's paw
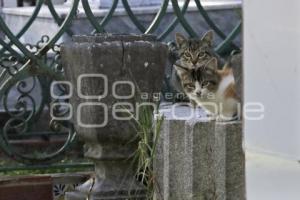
{"x":225,"y":119}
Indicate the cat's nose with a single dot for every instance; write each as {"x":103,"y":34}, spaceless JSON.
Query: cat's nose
{"x":198,"y":93}
{"x":194,"y":62}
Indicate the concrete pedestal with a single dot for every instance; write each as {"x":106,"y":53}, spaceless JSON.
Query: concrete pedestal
{"x":198,"y":159}
{"x":111,"y":70}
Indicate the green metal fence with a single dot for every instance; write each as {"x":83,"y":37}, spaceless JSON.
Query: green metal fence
{"x":26,"y":67}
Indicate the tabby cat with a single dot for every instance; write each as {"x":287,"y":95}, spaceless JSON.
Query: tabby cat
{"x":211,"y":88}
{"x":191,"y":54}
{"x":194,"y":52}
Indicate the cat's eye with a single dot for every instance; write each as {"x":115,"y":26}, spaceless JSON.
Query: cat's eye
{"x":187,"y":54}
{"x":204,"y":83}
{"x":201,"y":54}
{"x":190,"y":86}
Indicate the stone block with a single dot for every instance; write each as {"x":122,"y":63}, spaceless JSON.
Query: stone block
{"x":199,"y":159}
{"x":235,"y":159}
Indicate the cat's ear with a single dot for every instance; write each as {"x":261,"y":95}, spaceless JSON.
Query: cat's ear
{"x":208,"y":38}
{"x":212,"y":64}
{"x":180,"y":39}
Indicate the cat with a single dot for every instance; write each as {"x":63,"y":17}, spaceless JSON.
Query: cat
{"x":191,"y":53}
{"x":211,"y":88}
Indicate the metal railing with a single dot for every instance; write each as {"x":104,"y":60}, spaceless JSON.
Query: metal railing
{"x":26,"y":67}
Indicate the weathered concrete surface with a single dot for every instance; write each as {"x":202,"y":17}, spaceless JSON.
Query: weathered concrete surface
{"x":235,"y":159}
{"x":139,"y":60}
{"x":199,"y":159}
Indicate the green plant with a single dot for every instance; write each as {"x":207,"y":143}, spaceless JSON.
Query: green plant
{"x":147,"y":127}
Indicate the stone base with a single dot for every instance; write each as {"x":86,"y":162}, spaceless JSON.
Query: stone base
{"x":198,"y":159}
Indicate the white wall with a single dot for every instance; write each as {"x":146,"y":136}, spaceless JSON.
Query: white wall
{"x":272,"y":74}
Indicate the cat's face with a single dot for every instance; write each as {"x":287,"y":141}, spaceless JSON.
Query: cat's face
{"x":201,"y":82}
{"x":194,"y":52}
